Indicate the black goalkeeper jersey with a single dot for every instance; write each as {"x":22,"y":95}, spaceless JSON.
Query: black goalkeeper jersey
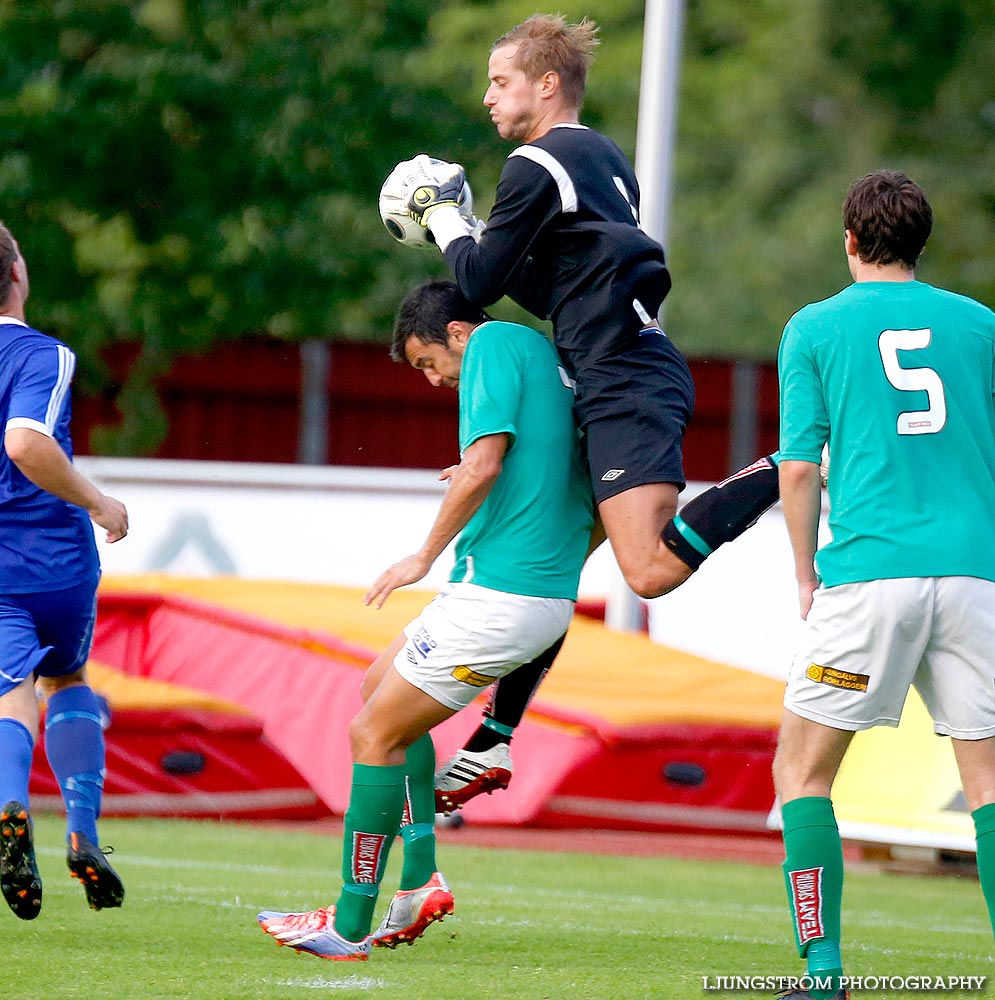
{"x":564,"y":242}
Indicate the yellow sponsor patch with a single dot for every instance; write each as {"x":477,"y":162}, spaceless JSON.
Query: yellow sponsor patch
{"x":468,"y":676}
{"x":837,"y":678}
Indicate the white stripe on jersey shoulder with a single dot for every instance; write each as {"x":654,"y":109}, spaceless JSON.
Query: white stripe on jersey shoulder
{"x":32,"y":425}
{"x":67,"y":366}
{"x":568,"y":125}
{"x":549,"y":163}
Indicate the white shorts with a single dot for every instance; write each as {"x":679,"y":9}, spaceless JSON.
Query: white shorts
{"x":470,"y":636}
{"x":865,"y":644}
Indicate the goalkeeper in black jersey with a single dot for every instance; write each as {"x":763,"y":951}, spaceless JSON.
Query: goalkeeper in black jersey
{"x":563,"y":240}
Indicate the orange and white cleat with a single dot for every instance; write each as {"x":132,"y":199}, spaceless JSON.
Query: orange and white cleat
{"x":412,"y":910}
{"x":313,"y":932}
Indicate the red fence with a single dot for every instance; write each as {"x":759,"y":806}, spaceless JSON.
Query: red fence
{"x":242,"y":402}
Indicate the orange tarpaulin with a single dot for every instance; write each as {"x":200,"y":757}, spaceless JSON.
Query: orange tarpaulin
{"x":619,"y":725}
{"x":624,"y":678}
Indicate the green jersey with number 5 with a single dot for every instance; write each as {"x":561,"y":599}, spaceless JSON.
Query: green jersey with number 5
{"x":899,"y":379}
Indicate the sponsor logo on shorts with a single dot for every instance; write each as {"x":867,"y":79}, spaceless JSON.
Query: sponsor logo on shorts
{"x":423,"y":642}
{"x":837,"y":678}
{"x":611,"y":475}
{"x":806,"y":898}
{"x":467,"y":676}
{"x":367,"y":850}
{"x":410,"y":654}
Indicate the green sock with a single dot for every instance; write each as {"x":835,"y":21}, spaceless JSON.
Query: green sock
{"x":418,"y":822}
{"x":813,"y":875}
{"x":375,"y":805}
{"x":984,"y":830}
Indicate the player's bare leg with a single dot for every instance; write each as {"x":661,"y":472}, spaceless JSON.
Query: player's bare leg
{"x":808,"y":757}
{"x":658,"y":549}
{"x":634,"y":522}
{"x":376,"y":670}
{"x":394,"y":717}
{"x":976,"y":763}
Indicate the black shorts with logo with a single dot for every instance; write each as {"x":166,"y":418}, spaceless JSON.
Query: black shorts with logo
{"x":633,"y":410}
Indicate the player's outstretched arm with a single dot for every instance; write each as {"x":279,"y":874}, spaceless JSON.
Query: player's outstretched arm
{"x":41,"y":460}
{"x":469,"y":484}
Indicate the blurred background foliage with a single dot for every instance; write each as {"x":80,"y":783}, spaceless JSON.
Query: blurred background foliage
{"x":181,"y":172}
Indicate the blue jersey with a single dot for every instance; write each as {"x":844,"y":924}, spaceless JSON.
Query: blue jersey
{"x":45,"y":543}
{"x":899,"y":378}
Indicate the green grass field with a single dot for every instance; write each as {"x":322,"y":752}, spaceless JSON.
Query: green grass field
{"x":528,"y":926}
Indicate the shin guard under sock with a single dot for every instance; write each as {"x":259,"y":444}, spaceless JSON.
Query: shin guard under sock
{"x":16,"y":750}
{"x":74,"y":745}
{"x":375,"y":805}
{"x":418,"y":819}
{"x":723,"y":512}
{"x":813,"y":875}
{"x":984,"y":829}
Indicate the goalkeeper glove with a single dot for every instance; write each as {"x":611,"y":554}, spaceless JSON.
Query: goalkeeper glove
{"x":439,"y":189}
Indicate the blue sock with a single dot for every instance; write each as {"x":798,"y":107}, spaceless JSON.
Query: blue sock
{"x":74,"y":745}
{"x":16,"y":749}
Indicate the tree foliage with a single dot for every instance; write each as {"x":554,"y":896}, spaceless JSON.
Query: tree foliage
{"x":781,"y":110}
{"x":782,"y":104}
{"x":182,"y":171}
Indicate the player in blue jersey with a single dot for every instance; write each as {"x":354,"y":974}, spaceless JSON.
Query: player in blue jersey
{"x":563,"y":240}
{"x":48,"y":580}
{"x":520,"y":507}
{"x":898,"y":377}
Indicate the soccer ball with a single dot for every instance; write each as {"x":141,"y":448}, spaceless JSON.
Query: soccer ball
{"x":394,"y":205}
{"x":400,"y":225}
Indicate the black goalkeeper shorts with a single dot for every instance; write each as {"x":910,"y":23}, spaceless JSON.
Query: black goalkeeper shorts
{"x":633,"y":410}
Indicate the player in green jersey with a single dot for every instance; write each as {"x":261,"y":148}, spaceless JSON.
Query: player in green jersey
{"x":898,"y":377}
{"x":521,"y":505}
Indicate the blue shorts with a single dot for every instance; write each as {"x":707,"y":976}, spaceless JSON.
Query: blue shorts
{"x":633,"y":410}
{"x":48,"y":634}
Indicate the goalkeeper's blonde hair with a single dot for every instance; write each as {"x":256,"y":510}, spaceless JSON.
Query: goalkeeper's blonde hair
{"x":547,"y":42}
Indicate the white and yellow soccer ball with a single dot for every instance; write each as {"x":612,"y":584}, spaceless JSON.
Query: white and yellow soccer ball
{"x":396,"y":190}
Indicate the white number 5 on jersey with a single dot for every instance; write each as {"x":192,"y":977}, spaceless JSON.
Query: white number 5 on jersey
{"x":928,"y":421}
